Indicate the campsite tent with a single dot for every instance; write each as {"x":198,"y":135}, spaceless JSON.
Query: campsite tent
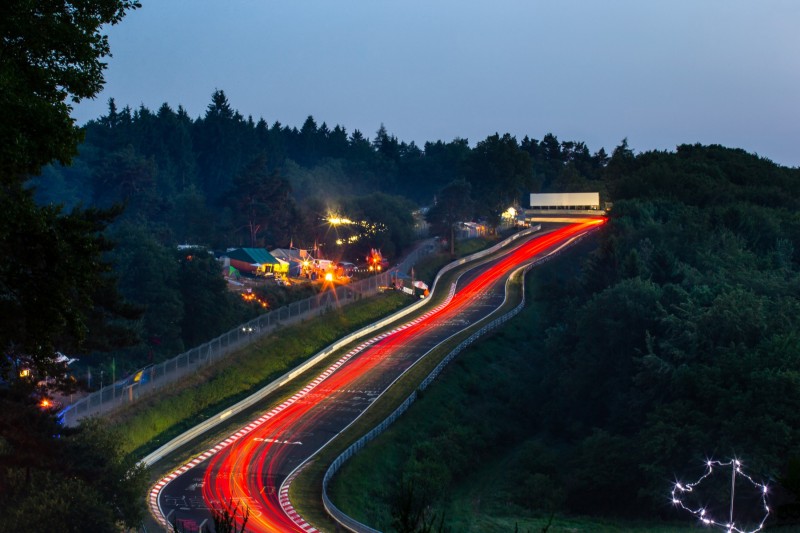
{"x":293,"y":258}
{"x":256,"y":261}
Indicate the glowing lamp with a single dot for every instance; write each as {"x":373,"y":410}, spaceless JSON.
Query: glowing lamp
{"x":509,"y":213}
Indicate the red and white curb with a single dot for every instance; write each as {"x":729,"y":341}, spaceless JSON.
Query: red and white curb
{"x":155,"y":509}
{"x":287,"y":506}
{"x":283,"y":499}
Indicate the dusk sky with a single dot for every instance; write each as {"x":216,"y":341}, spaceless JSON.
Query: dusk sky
{"x":659,"y":72}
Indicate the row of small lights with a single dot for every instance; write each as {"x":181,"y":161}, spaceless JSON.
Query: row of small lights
{"x":253,"y":297}
{"x":371,"y":228}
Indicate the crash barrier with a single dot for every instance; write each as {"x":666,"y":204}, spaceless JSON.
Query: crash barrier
{"x":152,"y":378}
{"x":343,"y":519}
{"x":282,"y":380}
{"x":354,"y":525}
{"x":483,"y":253}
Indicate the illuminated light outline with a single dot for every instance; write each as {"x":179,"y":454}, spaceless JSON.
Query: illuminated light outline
{"x":240,"y":485}
{"x":730,"y":525}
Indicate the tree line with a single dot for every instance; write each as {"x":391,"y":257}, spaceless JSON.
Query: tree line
{"x":222,"y":180}
{"x":213,"y":179}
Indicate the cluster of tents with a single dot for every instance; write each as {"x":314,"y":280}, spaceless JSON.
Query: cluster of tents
{"x":279,"y":263}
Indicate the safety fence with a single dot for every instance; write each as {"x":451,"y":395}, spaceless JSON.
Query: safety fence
{"x":350,"y":523}
{"x":152,"y":378}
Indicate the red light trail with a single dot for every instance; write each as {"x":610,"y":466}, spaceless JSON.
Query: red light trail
{"x":243,"y":469}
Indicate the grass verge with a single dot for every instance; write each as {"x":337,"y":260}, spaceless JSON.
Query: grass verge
{"x":306,"y":490}
{"x":147,"y":424}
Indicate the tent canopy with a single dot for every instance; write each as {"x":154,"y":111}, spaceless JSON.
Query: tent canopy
{"x":258,"y":256}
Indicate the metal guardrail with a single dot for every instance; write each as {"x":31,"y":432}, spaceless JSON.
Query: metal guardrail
{"x":160,"y":375}
{"x":279,"y":382}
{"x":343,"y":519}
{"x":354,"y":525}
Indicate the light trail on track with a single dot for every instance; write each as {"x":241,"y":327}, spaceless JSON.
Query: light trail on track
{"x":245,"y":468}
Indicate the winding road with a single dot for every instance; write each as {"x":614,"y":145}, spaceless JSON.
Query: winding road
{"x":254,"y":466}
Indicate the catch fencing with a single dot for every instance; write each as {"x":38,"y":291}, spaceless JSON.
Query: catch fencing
{"x":153,"y":378}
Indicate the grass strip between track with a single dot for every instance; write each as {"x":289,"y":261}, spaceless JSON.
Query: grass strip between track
{"x":306,"y":490}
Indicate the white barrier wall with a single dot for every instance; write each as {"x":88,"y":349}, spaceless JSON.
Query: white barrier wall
{"x":566,"y":200}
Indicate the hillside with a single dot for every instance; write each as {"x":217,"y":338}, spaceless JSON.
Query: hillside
{"x":674,"y":342}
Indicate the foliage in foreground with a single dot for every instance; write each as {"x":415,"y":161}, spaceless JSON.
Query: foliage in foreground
{"x":55,"y":283}
{"x":230,"y":518}
{"x":58,"y":479}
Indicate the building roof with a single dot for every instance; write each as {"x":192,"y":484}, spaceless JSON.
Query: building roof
{"x":292,"y":254}
{"x":258,"y":256}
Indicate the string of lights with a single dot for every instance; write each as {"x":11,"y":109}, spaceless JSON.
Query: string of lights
{"x":680,"y":490}
{"x":364,"y":228}
{"x":253,"y":297}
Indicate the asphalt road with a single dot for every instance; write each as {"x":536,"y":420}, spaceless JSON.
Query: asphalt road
{"x":251,"y":467}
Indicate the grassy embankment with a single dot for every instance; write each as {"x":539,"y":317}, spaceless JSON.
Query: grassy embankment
{"x":155,"y":420}
{"x":306,"y":490}
{"x":484,"y":500}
